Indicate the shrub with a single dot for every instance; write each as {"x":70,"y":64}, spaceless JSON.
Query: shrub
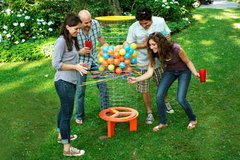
{"x":27,"y":51}
{"x":171,"y":10}
{"x":22,"y":25}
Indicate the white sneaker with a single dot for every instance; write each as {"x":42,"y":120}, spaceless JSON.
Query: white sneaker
{"x":149,"y":119}
{"x":169,"y":108}
{"x":74,"y":152}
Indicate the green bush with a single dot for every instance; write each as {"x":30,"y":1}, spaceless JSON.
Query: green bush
{"x":28,"y":51}
{"x":19,"y":26}
{"x":25,"y":21}
{"x":171,"y":10}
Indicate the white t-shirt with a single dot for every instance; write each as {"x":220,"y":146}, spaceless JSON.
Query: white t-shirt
{"x":137,"y":34}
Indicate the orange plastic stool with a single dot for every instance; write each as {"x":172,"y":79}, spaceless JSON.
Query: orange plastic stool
{"x":119,"y":114}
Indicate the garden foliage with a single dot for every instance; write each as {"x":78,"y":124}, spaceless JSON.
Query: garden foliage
{"x":29,"y":20}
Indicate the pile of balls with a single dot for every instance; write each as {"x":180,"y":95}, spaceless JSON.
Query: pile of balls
{"x":118,"y":58}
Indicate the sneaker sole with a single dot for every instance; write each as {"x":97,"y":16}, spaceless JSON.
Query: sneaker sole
{"x":170,"y":112}
{"x":75,"y":155}
{"x":149,"y":122}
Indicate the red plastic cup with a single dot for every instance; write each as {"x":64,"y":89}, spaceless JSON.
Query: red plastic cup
{"x":203,"y":75}
{"x":88,"y":44}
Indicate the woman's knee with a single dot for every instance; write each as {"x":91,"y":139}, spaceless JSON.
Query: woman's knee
{"x":160,"y":97}
{"x":181,"y":100}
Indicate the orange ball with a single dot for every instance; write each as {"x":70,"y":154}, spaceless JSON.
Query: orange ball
{"x":110,"y":52}
{"x":118,"y":70}
{"x":117,"y":48}
{"x":100,"y":54}
{"x":110,"y":61}
{"x":105,"y":63}
{"x":116,"y":62}
{"x":129,"y":68}
{"x":127,"y":61}
{"x":121,"y":58}
{"x":116,"y":55}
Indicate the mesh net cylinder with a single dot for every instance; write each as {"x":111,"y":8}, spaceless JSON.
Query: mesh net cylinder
{"x":115,"y":28}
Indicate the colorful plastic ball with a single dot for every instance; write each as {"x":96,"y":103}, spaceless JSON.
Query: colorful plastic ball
{"x":105,"y":63}
{"x":105,"y":49}
{"x":118,"y":70}
{"x":110,"y":61}
{"x":105,"y":56}
{"x":133,"y":45}
{"x":133,"y":60}
{"x":117,"y":48}
{"x":164,"y":33}
{"x":130,"y":51}
{"x":134,"y":54}
{"x":129,"y":69}
{"x":100,"y":54}
{"x":110,"y":52}
{"x":111,"y":48}
{"x":116,"y":62}
{"x":116,"y":55}
{"x":127,"y":56}
{"x":100,"y":59}
{"x":127,"y":61}
{"x":101,"y":68}
{"x":122,"y":51}
{"x":111,"y":67}
{"x":127,"y":47}
{"x":121,"y":58}
{"x":122,"y":65}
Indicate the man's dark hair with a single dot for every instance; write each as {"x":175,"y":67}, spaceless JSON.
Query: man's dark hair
{"x":144,"y":13}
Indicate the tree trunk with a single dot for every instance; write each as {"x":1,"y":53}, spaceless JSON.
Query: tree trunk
{"x":115,"y":7}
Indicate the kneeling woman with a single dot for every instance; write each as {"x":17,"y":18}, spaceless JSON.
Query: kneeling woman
{"x":176,"y":66}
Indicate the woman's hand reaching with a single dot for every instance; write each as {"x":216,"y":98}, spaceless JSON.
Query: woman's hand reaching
{"x":81,"y":69}
{"x":131,"y":80}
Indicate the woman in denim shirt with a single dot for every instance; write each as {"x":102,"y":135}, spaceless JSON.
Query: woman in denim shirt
{"x":65,"y":60}
{"x":176,"y":66}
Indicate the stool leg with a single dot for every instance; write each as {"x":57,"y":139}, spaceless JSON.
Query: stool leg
{"x":133,"y":124}
{"x":111,"y":126}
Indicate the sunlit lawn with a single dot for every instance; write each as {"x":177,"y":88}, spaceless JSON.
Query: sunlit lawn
{"x":29,"y":105}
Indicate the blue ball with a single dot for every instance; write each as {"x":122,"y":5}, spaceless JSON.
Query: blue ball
{"x":122,"y":65}
{"x":164,"y":33}
{"x":133,"y":60}
{"x":105,"y":56}
{"x":105,"y":49}
{"x":111,"y":47}
{"x":130,"y":51}
{"x":127,"y":47}
{"x":127,"y":56}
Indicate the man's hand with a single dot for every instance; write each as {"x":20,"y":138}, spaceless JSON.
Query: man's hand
{"x":85,"y":51}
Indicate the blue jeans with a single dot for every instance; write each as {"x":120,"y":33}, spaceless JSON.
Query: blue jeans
{"x":66,"y":93}
{"x":80,"y":94}
{"x":168,"y":78}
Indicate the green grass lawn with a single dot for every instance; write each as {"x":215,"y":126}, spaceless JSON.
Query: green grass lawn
{"x":29,"y":105}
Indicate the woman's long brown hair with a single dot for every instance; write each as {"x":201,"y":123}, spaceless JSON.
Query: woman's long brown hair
{"x":165,"y":48}
{"x":70,"y":20}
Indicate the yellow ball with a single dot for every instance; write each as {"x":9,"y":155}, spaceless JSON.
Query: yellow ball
{"x":100,"y":59}
{"x":101,"y":68}
{"x":111,"y":67}
{"x":133,"y":45}
{"x":122,"y":51}
{"x":134,"y":54}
